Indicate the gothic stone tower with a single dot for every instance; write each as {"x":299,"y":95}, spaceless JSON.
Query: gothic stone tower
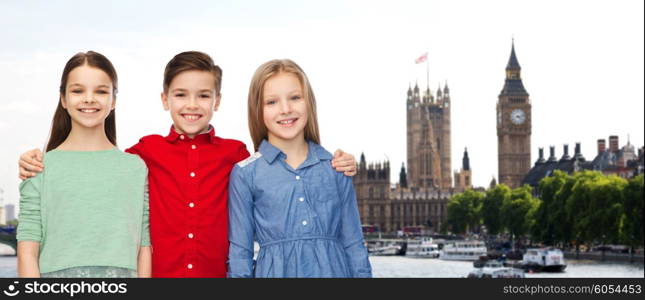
{"x":372,"y":185}
{"x":428,"y":139}
{"x":513,"y":127}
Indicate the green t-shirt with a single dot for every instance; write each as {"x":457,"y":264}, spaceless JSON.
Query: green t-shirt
{"x":87,"y":208}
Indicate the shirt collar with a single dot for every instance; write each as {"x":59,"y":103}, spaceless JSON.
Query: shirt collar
{"x":315,"y":153}
{"x":209,"y":136}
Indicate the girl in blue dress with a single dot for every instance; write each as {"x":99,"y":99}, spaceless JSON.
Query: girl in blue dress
{"x":287,"y":196}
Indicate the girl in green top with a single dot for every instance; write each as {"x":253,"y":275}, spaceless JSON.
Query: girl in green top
{"x":86,"y":215}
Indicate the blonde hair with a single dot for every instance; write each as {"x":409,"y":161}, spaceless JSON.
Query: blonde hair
{"x":257,"y":128}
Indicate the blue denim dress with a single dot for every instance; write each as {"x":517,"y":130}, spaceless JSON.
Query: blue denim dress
{"x":305,"y":220}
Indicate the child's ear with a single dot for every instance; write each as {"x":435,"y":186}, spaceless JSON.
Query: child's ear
{"x":217,"y":101}
{"x":164,"y":101}
{"x":113,"y":103}
{"x":62,"y":102}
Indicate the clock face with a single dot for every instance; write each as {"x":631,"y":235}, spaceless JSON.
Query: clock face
{"x":518,"y":117}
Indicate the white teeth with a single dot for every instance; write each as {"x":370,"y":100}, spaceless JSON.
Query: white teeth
{"x":191,"y":117}
{"x":89,"y":110}
{"x":287,"y":121}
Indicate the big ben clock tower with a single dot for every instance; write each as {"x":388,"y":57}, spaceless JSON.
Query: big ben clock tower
{"x":513,"y":127}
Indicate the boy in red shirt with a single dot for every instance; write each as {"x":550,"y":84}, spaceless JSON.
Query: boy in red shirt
{"x":188,"y":173}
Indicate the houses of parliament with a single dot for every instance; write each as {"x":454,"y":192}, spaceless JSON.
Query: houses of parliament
{"x":420,"y":198}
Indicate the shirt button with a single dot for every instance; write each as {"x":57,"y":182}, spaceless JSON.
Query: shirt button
{"x":304,"y":223}
{"x":192,"y":174}
{"x":190,"y":235}
{"x":194,"y":147}
{"x":301,"y":199}
{"x":297,"y":177}
{"x":181,"y":137}
{"x":190,"y":266}
{"x":191,"y":205}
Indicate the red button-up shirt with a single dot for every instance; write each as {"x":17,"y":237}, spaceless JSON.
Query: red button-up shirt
{"x":188,"y":182}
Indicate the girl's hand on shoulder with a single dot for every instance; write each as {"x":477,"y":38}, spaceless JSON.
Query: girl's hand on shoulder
{"x":30,"y":163}
{"x":344,"y":162}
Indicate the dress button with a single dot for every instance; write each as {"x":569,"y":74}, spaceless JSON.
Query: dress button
{"x":304,"y":223}
{"x":297,"y":177}
{"x":191,"y":205}
{"x":190,"y":266}
{"x":194,"y":147}
{"x":190,"y":235}
{"x":301,"y":199}
{"x":192,"y":174}
{"x":181,"y":137}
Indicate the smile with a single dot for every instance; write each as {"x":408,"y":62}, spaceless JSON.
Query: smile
{"x":191,"y":117}
{"x":89,"y":110}
{"x":287,"y":122}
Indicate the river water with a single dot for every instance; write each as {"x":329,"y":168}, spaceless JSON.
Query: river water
{"x":401,"y":266}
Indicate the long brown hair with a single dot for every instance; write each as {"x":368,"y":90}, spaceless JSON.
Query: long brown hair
{"x":62,"y":122}
{"x":267,"y":70}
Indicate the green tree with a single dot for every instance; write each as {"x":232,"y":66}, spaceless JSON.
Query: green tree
{"x":515,"y":211}
{"x":578,"y":206}
{"x":464,"y":211}
{"x":492,"y":207}
{"x":632,"y":218}
{"x":606,"y":208}
{"x":552,"y":217}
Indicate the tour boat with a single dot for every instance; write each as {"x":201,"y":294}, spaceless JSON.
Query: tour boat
{"x":469,"y":250}
{"x":544,"y":259}
{"x":494,"y":269}
{"x":424,"y":247}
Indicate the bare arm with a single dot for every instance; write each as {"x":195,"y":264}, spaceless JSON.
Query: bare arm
{"x":144,"y":262}
{"x":28,"y":254}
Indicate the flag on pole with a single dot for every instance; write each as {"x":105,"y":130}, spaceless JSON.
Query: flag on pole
{"x":421,"y":58}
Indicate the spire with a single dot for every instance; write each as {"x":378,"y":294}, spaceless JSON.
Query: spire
{"x":465,"y":161}
{"x":403,"y":180}
{"x":409,"y":90}
{"x":445,"y":88}
{"x":513,"y":83}
{"x":513,"y":64}
{"x":493,"y":183}
{"x":439,"y":91}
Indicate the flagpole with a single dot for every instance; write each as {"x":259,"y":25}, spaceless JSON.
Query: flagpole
{"x":428,"y":76}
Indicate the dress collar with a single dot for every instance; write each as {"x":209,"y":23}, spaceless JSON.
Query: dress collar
{"x":315,"y":153}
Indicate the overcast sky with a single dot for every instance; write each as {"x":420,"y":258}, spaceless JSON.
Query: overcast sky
{"x":582,"y":64}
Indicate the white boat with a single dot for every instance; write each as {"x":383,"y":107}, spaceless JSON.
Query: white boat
{"x":544,"y":259}
{"x":424,"y":247}
{"x":494,"y":269}
{"x":463,"y":250}
{"x":383,"y":247}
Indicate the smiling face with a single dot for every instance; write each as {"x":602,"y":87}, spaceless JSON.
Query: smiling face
{"x":284,"y":108}
{"x":191,"y":99}
{"x":88,"y":97}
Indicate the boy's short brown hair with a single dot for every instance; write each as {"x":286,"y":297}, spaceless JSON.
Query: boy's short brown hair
{"x":191,"y":61}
